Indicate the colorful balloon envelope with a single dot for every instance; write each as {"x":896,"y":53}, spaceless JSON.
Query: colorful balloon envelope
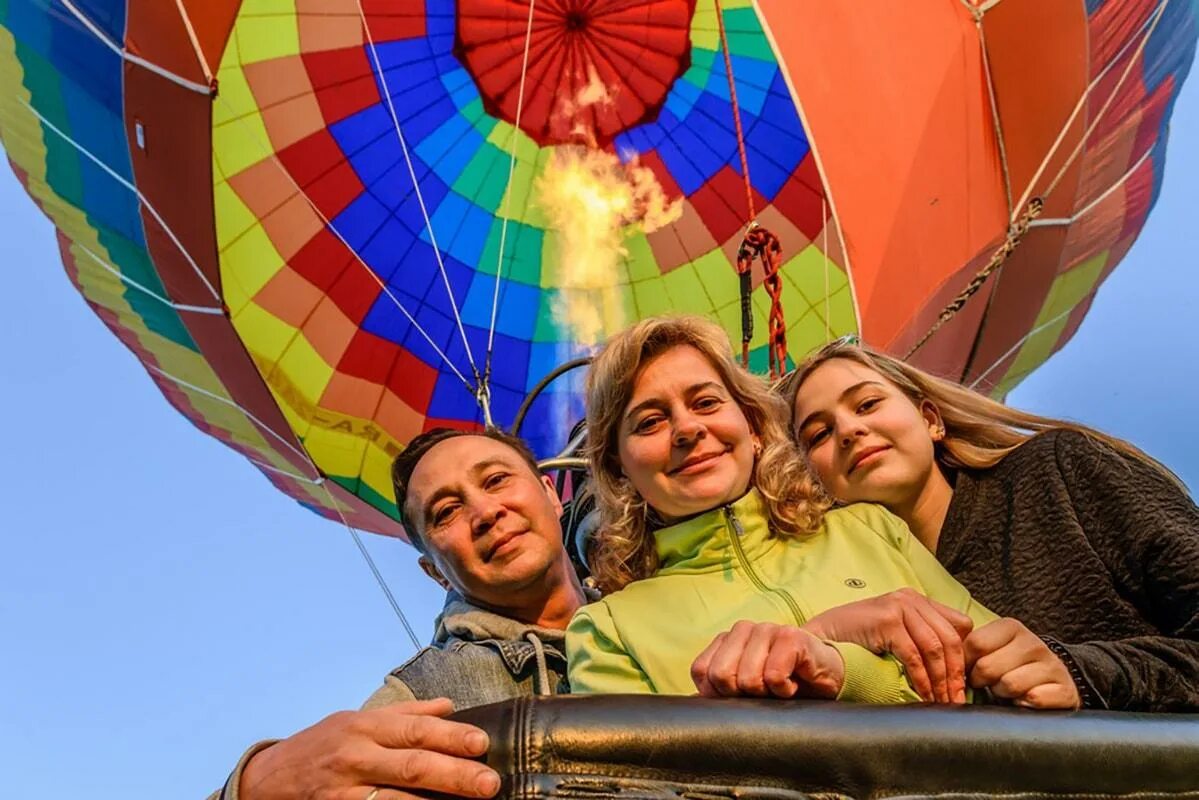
{"x":325,"y":226}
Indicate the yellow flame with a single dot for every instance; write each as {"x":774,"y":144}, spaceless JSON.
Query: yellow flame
{"x":593,"y":202}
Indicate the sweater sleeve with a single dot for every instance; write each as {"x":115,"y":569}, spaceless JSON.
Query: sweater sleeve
{"x":1146,"y":530}
{"x":871,"y":678}
{"x":597,"y":661}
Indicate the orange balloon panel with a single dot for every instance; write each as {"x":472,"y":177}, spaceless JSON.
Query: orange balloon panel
{"x":934,"y":124}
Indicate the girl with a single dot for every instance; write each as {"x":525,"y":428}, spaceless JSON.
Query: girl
{"x":1081,"y":536}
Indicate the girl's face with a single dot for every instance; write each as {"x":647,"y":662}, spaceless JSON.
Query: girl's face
{"x":866,"y":441}
{"x":683,"y":442}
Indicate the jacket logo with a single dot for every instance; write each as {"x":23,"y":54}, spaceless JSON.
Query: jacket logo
{"x":855,"y":583}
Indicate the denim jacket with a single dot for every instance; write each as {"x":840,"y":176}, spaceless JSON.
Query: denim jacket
{"x":478,"y":657}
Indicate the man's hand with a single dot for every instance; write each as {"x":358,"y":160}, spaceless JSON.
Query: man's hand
{"x":763,"y":660}
{"x":1013,"y":662}
{"x":347,"y":754}
{"x":926,"y":637}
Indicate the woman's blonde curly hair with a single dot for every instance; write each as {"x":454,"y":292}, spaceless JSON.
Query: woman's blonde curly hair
{"x":624,"y":549}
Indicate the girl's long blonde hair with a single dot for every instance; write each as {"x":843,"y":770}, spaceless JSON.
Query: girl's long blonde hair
{"x":624,"y":549}
{"x":979,"y":431}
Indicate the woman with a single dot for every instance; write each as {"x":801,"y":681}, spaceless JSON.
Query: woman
{"x":709,"y":517}
{"x":1081,"y":536}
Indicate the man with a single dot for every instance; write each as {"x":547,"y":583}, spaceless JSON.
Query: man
{"x":486,"y":522}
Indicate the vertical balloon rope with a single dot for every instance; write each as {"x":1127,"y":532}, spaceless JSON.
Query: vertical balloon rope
{"x":370,"y":563}
{"x":513,"y":143}
{"x":758,"y":243}
{"x":728,"y":71}
{"x":377,"y":70}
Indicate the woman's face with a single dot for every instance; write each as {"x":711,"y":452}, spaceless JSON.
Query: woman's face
{"x":684,"y":443}
{"x":863,"y":437}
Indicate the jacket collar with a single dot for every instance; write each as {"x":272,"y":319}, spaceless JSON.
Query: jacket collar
{"x":463,"y":620}
{"x":705,"y":542}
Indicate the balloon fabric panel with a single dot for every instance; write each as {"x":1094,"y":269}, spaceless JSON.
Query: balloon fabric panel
{"x":301,"y":218}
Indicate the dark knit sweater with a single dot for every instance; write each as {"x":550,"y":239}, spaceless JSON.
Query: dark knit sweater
{"x":1093,"y":549}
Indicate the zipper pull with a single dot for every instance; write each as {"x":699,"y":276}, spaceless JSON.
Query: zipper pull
{"x":736,"y":523}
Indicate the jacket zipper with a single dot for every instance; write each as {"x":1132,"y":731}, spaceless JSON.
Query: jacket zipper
{"x":737,"y":531}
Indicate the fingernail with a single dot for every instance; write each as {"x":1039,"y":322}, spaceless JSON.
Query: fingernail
{"x":477,"y":741}
{"x":488,"y":784}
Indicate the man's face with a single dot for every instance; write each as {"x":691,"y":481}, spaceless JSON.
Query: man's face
{"x":490,"y":525}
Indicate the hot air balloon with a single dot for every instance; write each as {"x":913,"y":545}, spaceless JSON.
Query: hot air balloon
{"x":327,"y":225}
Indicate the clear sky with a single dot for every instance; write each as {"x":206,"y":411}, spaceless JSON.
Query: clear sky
{"x":162,"y":606}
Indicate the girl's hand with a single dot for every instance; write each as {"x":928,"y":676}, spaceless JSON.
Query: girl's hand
{"x":1012,"y":661}
{"x":767,"y":660}
{"x":926,"y":637}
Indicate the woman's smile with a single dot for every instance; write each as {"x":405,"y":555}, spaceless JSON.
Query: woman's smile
{"x":697,"y":464}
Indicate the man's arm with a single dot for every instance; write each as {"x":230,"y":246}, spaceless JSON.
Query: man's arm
{"x":229,"y":790}
{"x":403,"y":745}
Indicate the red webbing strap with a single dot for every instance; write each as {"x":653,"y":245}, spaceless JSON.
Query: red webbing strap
{"x":728,"y":71}
{"x":760,"y":243}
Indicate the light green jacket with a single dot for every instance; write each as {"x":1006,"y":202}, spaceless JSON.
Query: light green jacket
{"x":724,"y":566}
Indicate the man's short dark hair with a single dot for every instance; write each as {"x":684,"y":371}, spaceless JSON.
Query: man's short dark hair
{"x":405,"y":464}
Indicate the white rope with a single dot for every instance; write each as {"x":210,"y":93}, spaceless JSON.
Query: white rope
{"x":828,"y":193}
{"x":1149,"y":27}
{"x":420,"y":199}
{"x":1020,"y":344}
{"x":370,"y":562}
{"x":208,"y":90}
{"x":274,"y":157}
{"x":319,"y":480}
{"x":140,"y":197}
{"x":195,"y":40}
{"x":234,"y":404}
{"x":1057,"y":221}
{"x":1003,"y":162}
{"x":499,"y":265}
{"x":1078,"y":148}
{"x":131,"y":282}
{"x":1000,"y":141}
{"x":399,"y":612}
{"x":828,"y":329}
{"x":199,"y":88}
{"x":285,"y":473}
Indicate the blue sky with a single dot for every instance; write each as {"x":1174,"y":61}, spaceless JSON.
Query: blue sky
{"x":162,"y":606}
